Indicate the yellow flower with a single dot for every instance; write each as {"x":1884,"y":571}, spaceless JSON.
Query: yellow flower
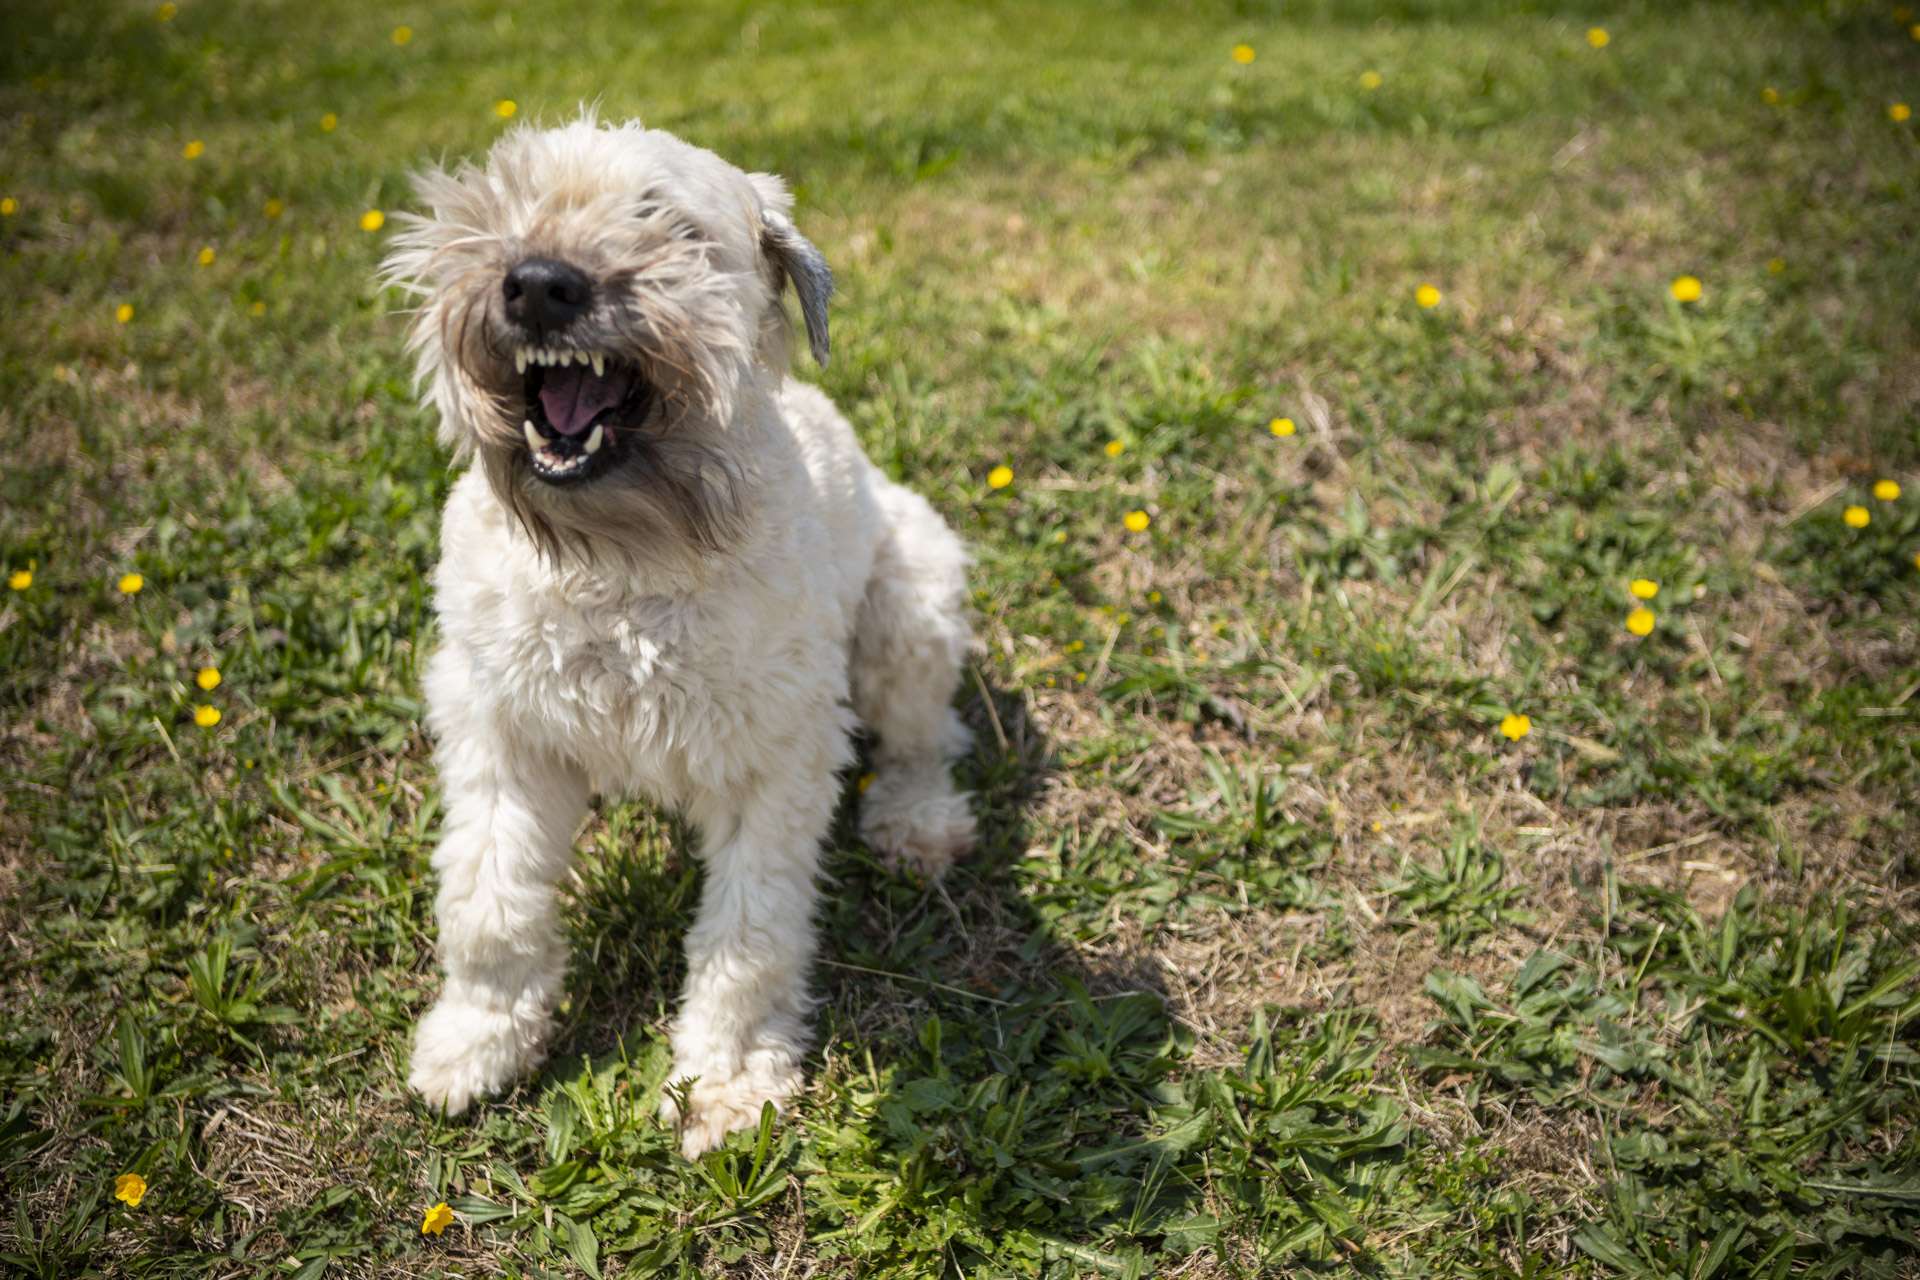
{"x":1644,"y":588}
{"x":130,"y":584}
{"x":1137,"y":521}
{"x":1598,"y":37}
{"x":130,"y":1189}
{"x":505,"y":108}
{"x":1079,"y":677}
{"x":1000,"y":477}
{"x":1685,"y":289}
{"x":1770,"y":96}
{"x":1243,"y":54}
{"x":402,"y":34}
{"x":1640,"y":621}
{"x":274,"y":207}
{"x":1076,"y":646}
{"x":194,"y":150}
{"x":206,"y":717}
{"x":257,"y":309}
{"x":1515,"y":727}
{"x":1776,"y":266}
{"x":1856,"y":517}
{"x":1916,"y":559}
{"x":1371,"y":80}
{"x":19,"y":579}
{"x":866,"y":780}
{"x":123,"y":313}
{"x":1427,"y":296}
{"x":372,"y":220}
{"x":166,"y":11}
{"x":1116,"y":447}
{"x":8,"y":206}
{"x":1886,"y":490}
{"x":329,"y":122}
{"x":1282,"y":427}
{"x":205,"y":256}
{"x":440,"y":1217}
{"x":1914,"y":31}
{"x":1153,"y":597}
{"x":207,"y":678}
{"x":1899,"y":113}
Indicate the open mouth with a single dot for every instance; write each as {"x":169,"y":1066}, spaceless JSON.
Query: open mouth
{"x":578,"y":405}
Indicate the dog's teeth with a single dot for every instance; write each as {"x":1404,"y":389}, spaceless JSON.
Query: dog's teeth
{"x":593,"y":441}
{"x":534,"y":440}
{"x":566,"y":358}
{"x":520,"y":360}
{"x":599,"y":364}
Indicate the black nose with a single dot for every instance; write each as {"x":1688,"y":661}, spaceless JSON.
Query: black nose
{"x":544,"y":294}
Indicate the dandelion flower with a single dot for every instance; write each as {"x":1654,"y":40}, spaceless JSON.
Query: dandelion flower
{"x":1899,"y":113}
{"x":205,"y":256}
{"x":1137,"y":521}
{"x":402,"y":34}
{"x":1427,"y":296}
{"x":19,"y":579}
{"x":257,"y":309}
{"x":1153,"y":597}
{"x":1371,"y":80}
{"x":1515,"y":727}
{"x":438,"y":1219}
{"x":123,"y":313}
{"x":1116,"y":447}
{"x":1776,"y":266}
{"x":1598,"y":37}
{"x":207,"y":678}
{"x":1856,"y":517}
{"x":1282,"y":427}
{"x":130,"y":584}
{"x":274,"y":207}
{"x":130,"y":1189}
{"x":1770,"y":96}
{"x":205,"y":716}
{"x":372,"y":220}
{"x":505,"y":108}
{"x":166,"y":12}
{"x":8,"y":206}
{"x":1886,"y":490}
{"x":1644,"y":588}
{"x":194,"y":150}
{"x":1000,"y":477}
{"x":329,"y":122}
{"x":1640,"y":621}
{"x":1243,"y":54}
{"x":1685,"y":289}
{"x":1914,"y":31}
{"x":1916,"y":559}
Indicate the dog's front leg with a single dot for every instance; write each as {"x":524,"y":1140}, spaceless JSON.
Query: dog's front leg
{"x":508,"y":838}
{"x":743,"y":1020}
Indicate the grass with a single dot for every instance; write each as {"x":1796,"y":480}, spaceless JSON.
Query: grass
{"x":1278,"y":957}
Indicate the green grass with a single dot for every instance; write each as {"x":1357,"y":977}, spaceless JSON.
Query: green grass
{"x":1277,"y":958}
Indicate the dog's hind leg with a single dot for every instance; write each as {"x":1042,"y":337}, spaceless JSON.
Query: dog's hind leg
{"x":507,"y":841}
{"x":910,"y":642}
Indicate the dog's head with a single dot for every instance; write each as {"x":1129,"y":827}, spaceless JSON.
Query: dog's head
{"x":594,"y":302}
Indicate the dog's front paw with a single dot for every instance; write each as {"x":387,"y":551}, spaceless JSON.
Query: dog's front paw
{"x":915,"y":819}
{"x":462,"y":1052}
{"x":716,"y":1109}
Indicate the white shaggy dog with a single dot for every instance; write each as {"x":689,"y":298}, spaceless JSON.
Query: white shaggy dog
{"x":670,"y":571}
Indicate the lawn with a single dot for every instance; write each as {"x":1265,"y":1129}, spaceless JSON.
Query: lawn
{"x":1446,"y":721}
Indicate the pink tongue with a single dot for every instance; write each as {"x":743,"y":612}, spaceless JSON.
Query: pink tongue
{"x":573,"y":397}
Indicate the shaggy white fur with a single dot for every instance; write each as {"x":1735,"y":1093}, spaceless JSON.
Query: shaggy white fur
{"x":704,"y":621}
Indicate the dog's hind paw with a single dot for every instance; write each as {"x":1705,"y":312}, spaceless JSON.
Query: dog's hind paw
{"x":915,"y":819}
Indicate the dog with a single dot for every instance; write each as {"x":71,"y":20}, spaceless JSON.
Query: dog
{"x":668,"y":570}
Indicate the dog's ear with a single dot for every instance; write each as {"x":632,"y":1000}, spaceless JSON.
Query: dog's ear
{"x":794,"y":258}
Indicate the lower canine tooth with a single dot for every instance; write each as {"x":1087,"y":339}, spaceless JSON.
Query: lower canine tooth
{"x":534,"y":441}
{"x":593,"y":441}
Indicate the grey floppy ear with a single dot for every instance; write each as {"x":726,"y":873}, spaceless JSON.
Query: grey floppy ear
{"x":812,"y":279}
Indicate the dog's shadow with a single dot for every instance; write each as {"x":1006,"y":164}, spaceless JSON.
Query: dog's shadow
{"x":959,"y":1036}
